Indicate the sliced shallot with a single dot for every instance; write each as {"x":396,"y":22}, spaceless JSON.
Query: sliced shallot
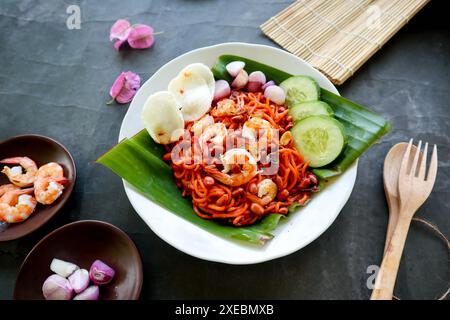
{"x":63,"y":268}
{"x":222,"y":90}
{"x":256,"y":80}
{"x":235,"y":67}
{"x":268,"y":84}
{"x":79,"y":280}
{"x":275,"y":94}
{"x":91,"y":293}
{"x":241,"y":80}
{"x":57,"y":288}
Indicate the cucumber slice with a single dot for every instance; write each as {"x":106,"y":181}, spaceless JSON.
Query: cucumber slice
{"x":319,"y":139}
{"x":310,"y":108}
{"x":300,"y":89}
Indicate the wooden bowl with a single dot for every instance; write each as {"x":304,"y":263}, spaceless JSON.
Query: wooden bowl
{"x":83,"y":242}
{"x":42,"y":150}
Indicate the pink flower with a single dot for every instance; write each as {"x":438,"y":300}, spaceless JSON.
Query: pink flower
{"x":138,"y":36}
{"x":125,"y":87}
{"x":141,"y":37}
{"x":120,"y":31}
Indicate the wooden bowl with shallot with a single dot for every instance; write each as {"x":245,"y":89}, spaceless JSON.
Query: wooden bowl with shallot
{"x":83,"y":260}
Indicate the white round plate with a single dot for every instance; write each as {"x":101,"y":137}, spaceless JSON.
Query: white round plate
{"x":293,"y":233}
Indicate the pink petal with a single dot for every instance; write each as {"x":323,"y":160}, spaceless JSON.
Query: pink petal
{"x":120,"y":30}
{"x":125,"y":87}
{"x":118,"y":44}
{"x":117,"y":85}
{"x":141,"y":37}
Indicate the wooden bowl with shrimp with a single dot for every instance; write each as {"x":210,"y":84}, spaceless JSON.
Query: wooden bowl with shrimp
{"x":42,"y":150}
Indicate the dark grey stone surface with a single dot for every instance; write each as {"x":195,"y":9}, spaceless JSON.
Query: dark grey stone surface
{"x":55,"y":82}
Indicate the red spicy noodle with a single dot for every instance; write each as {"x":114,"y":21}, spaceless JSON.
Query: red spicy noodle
{"x":241,"y":193}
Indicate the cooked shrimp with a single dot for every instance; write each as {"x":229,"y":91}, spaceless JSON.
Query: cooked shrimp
{"x":215,"y":133}
{"x":198,"y":127}
{"x":3,"y":190}
{"x":50,"y":170}
{"x":15,"y":174}
{"x":256,"y":127}
{"x":17,"y":205}
{"x":47,"y":190}
{"x":49,"y":183}
{"x":7,"y":187}
{"x":232,"y":159}
{"x":260,"y":134}
{"x":267,"y":191}
{"x":227,"y":107}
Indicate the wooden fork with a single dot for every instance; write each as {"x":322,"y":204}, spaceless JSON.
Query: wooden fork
{"x":413,"y":190}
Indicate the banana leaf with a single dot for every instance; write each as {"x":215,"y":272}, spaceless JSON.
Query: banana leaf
{"x":138,"y":161}
{"x":363,"y":127}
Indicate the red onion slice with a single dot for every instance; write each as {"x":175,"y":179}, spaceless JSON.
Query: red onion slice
{"x":100,"y":273}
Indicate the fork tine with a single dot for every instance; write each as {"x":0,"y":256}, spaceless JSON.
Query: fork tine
{"x":416,"y":159}
{"x":405,"y":160}
{"x":423,"y":163}
{"x":432,"y":171}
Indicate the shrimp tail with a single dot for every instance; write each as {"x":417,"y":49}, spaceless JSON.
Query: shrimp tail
{"x":26,"y":191}
{"x":61,"y":180}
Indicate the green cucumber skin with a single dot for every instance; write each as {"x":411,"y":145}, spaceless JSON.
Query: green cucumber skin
{"x":302,"y":110}
{"x":336,"y":139}
{"x":307,"y":89}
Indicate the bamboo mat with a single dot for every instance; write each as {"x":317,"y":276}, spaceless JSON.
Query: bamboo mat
{"x":338,"y":36}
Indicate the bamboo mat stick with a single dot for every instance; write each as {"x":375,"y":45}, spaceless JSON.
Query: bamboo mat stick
{"x":338,"y":37}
